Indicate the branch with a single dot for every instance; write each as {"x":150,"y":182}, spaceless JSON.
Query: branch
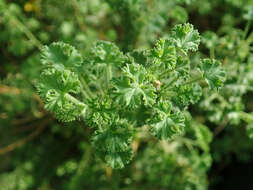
{"x":21,"y":142}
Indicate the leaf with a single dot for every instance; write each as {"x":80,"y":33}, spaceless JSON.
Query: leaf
{"x":187,"y":94}
{"x":165,"y":54}
{"x":213,"y":73}
{"x":61,"y":56}
{"x":165,"y":124}
{"x":118,"y":160}
{"x":113,"y":143}
{"x":55,"y":88}
{"x":107,"y":53}
{"x":182,"y":67}
{"x":139,"y":57}
{"x":132,"y":89}
{"x":185,"y":37}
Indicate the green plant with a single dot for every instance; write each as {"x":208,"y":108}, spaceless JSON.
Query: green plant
{"x":117,"y":93}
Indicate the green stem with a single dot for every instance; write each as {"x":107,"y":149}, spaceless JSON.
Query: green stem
{"x":169,"y":84}
{"x":193,"y":80}
{"x":73,"y":99}
{"x":212,"y":53}
{"x":77,"y":102}
{"x":246,"y":30}
{"x":26,"y":31}
{"x":108,"y":75}
{"x":247,"y":117}
{"x":86,"y":88}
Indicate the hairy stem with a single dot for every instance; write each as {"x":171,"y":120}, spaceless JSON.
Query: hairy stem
{"x":86,"y":88}
{"x":108,"y":75}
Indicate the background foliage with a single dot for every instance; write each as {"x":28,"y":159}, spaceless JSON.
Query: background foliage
{"x":214,"y":151}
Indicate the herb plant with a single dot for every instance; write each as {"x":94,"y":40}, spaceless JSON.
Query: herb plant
{"x":116,"y":93}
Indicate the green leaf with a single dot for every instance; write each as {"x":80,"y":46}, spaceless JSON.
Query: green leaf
{"x":118,"y":160}
{"x":213,"y":73}
{"x":185,"y":37}
{"x":187,"y":94}
{"x":139,"y":57}
{"x":61,"y":56}
{"x":133,"y":89}
{"x":165,"y":54}
{"x":113,"y":143}
{"x":55,"y":89}
{"x":182,"y":67}
{"x":107,"y":53}
{"x":164,"y":123}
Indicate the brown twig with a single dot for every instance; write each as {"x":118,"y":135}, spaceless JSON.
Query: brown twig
{"x":16,"y":91}
{"x":21,"y":142}
{"x":220,"y":127}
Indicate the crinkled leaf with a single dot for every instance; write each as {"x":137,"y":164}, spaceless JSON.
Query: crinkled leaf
{"x":165,"y":53}
{"x":187,"y":94}
{"x":213,"y":73}
{"x":54,"y":89}
{"x":131,"y":90}
{"x":118,"y":160}
{"x":61,"y":56}
{"x":139,"y":57}
{"x":113,"y":144}
{"x":182,"y":67}
{"x":107,"y":53}
{"x":165,"y":124}
{"x":185,"y":37}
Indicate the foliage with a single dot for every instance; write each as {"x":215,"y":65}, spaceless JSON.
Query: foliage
{"x":106,"y":94}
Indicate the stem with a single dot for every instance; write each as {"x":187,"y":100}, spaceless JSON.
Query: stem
{"x":108,"y":75}
{"x":77,"y":102}
{"x":247,"y":117}
{"x":220,"y":128}
{"x":171,"y":82}
{"x":193,"y":80}
{"x":21,"y":142}
{"x":246,"y":30}
{"x":87,"y":88}
{"x":85,"y":94}
{"x":26,"y":31}
{"x":212,"y":53}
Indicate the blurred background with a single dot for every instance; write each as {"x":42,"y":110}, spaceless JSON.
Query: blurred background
{"x":39,"y":153}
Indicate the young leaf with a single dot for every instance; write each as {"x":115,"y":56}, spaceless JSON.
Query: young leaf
{"x":165,"y":54}
{"x":113,"y":144}
{"x":107,"y":53}
{"x":185,"y":37}
{"x":61,"y":56}
{"x":213,"y":73}
{"x":165,"y":124}
{"x":55,"y":88}
{"x":133,"y":88}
